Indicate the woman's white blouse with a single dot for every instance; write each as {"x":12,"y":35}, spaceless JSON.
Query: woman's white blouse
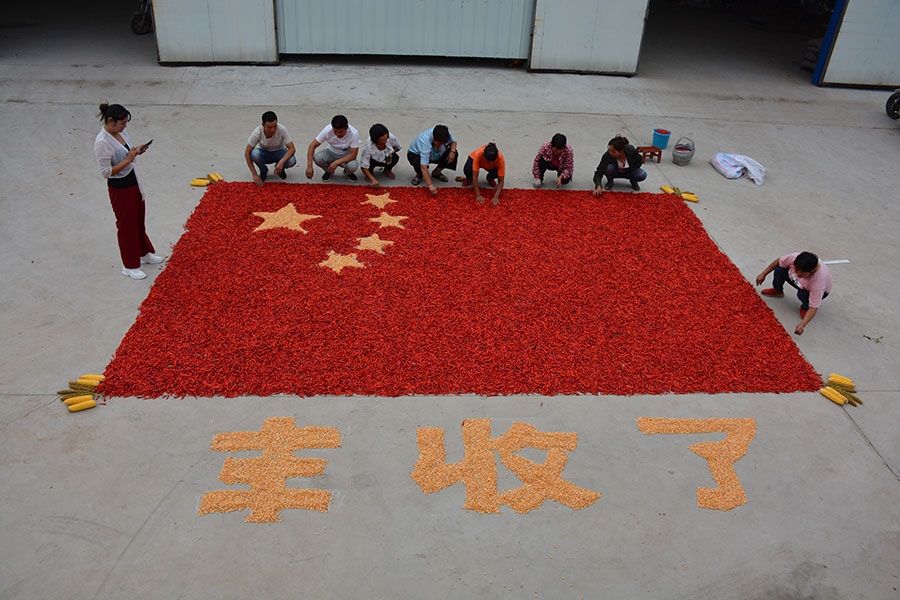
{"x":109,"y":152}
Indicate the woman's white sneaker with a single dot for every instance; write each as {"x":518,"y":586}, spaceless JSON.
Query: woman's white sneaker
{"x":151,"y":259}
{"x":134,"y":273}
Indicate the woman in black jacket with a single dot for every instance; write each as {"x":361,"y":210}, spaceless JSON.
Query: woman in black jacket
{"x":621,"y":160}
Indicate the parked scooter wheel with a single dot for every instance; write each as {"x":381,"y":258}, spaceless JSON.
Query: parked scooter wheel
{"x":141,"y":23}
{"x":893,"y":105}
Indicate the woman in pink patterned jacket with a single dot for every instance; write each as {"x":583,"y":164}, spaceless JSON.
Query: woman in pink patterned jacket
{"x":555,"y":155}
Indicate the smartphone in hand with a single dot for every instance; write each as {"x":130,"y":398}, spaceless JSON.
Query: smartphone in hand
{"x":145,"y":146}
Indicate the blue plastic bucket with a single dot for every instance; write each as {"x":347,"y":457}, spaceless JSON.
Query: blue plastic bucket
{"x":661,"y":138}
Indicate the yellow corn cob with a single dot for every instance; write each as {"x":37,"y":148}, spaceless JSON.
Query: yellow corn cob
{"x":78,"y":399}
{"x":689,"y":197}
{"x":835,"y":378}
{"x":90,"y":382}
{"x":94,"y":377}
{"x":82,"y":406}
{"x":667,"y":189}
{"x":833,"y":395}
{"x":219,"y":177}
{"x":200,"y":182}
{"x":213,"y":177}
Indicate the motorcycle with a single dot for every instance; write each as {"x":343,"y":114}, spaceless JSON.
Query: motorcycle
{"x":893,"y":105}
{"x":142,"y":21}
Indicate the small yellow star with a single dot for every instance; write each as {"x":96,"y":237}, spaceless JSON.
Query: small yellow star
{"x":286,"y":217}
{"x":373,"y":242}
{"x":336,"y":261}
{"x":379,"y":201}
{"x":386,"y":220}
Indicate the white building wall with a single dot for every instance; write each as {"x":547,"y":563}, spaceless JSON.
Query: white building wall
{"x":197,"y":31}
{"x":600,"y":36}
{"x":465,"y":28}
{"x":867,"y":48}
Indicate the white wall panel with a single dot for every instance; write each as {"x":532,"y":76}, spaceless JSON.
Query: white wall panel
{"x":599,"y":36}
{"x":470,"y":28}
{"x":197,"y":31}
{"x":867,"y":48}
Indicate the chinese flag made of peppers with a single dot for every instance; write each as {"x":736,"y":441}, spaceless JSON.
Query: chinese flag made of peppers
{"x":308,"y":289}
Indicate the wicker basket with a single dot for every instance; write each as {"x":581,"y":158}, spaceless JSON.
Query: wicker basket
{"x":683,"y":151}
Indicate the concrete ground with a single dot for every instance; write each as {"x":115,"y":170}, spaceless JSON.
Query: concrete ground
{"x":103,"y":504}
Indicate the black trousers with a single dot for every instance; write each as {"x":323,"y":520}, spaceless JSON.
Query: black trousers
{"x":470,"y":164}
{"x":546,"y":165}
{"x":442,"y":163}
{"x":395,"y":158}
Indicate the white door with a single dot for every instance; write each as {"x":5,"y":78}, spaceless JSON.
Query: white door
{"x":595,"y":36}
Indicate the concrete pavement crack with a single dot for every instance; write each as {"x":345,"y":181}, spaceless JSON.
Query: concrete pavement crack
{"x":871,"y":445}
{"x":133,"y":538}
{"x":48,"y":403}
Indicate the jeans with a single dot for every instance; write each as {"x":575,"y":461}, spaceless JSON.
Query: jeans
{"x":546,"y":165}
{"x":780,"y":277}
{"x":491,"y":174}
{"x":261,"y":158}
{"x":634,"y":174}
{"x":326,"y":156}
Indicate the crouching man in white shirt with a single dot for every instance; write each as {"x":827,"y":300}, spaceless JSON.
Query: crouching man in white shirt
{"x":343,"y":146}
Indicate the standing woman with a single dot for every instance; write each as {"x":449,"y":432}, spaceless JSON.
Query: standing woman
{"x":115,"y":157}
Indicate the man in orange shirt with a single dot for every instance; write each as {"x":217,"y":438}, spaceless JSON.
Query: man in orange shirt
{"x":491,"y":160}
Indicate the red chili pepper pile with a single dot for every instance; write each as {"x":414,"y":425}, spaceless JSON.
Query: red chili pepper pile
{"x":552,"y":292}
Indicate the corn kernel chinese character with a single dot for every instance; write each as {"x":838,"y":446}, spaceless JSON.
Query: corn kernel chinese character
{"x":720,"y":456}
{"x":266,"y":475}
{"x":478,"y":468}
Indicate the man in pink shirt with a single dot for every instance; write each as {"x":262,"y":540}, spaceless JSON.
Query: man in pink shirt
{"x":804,"y":271}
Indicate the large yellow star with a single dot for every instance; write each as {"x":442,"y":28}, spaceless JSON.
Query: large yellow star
{"x":373,"y":242}
{"x":286,"y":217}
{"x":386,"y":220}
{"x":379,"y":201}
{"x":336,"y":261}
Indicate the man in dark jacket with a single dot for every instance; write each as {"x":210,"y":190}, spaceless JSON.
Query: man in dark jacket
{"x":621,"y":160}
